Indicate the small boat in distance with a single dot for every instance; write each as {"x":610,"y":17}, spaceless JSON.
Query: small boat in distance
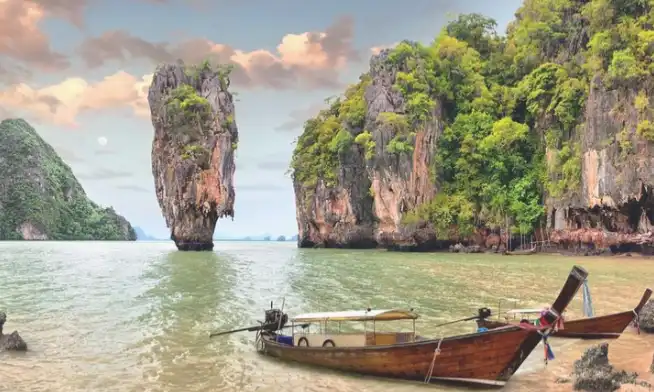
{"x":486,"y":357}
{"x":521,"y":252}
{"x":609,"y":326}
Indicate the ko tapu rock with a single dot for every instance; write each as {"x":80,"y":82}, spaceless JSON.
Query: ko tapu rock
{"x":12,"y":341}
{"x":491,"y":140}
{"x":195,"y":139}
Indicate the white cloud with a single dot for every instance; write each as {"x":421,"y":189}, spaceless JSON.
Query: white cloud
{"x":61,"y":103}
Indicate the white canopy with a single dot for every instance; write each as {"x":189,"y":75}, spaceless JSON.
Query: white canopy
{"x":358,"y":315}
{"x":514,"y":311}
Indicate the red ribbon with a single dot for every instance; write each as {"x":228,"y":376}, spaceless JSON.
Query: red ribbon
{"x":559,"y":323}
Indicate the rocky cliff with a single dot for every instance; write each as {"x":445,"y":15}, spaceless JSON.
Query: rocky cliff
{"x":195,"y":138}
{"x":542,"y":134}
{"x":40,"y":198}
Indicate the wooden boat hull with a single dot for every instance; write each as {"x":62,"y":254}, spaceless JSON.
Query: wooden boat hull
{"x":609,"y":326}
{"x":489,"y":357}
{"x":603,"y":327}
{"x":522,"y":252}
{"x":485,"y":358}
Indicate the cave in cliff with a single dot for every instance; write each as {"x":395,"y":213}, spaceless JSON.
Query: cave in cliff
{"x":195,"y":139}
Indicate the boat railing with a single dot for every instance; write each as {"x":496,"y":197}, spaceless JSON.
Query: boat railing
{"x":352,"y":339}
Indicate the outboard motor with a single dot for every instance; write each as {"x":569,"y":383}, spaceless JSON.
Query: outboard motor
{"x":274,"y":319}
{"x":483,"y":313}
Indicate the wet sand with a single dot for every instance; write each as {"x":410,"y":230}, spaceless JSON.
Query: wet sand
{"x":631,"y":352}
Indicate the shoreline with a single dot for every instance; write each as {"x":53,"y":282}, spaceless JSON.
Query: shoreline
{"x":515,"y":252}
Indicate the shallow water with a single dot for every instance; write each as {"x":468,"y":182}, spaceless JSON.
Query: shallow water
{"x":136,"y":316}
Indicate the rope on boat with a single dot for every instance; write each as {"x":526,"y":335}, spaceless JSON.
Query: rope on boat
{"x":257,"y":339}
{"x":549,"y":354}
{"x":636,"y":321}
{"x":545,"y":330}
{"x":558,"y":322}
{"x":437,"y":352}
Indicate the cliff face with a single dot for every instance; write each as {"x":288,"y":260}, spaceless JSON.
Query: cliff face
{"x":544,"y":134}
{"x":362,"y":164}
{"x":40,"y":198}
{"x":404,"y":151}
{"x":615,"y":203}
{"x":332,"y":190}
{"x":193,"y":150}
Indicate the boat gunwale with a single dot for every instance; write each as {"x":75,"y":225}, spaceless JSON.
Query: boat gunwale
{"x":562,"y":333}
{"x":577,"y":320}
{"x":645,"y":297}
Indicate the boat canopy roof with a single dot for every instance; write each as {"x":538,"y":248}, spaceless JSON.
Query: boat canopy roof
{"x":358,"y":315}
{"x":525,"y":311}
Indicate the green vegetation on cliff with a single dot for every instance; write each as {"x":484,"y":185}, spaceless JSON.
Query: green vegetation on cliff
{"x":40,"y":196}
{"x":512,"y":107}
{"x":330,"y":134}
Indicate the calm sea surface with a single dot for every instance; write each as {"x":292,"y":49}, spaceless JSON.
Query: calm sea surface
{"x":136,"y":316}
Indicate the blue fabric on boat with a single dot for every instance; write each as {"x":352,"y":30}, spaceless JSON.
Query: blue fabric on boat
{"x":482,"y":329}
{"x":282,"y":339}
{"x":588,"y":300}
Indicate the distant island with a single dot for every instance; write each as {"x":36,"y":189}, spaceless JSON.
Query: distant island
{"x":281,"y":238}
{"x":141,"y":235}
{"x":40,"y":198}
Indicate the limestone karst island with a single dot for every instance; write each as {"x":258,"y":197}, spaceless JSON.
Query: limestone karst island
{"x":545,"y":133}
{"x":432,"y":196}
{"x":40,"y":198}
{"x":195,"y":136}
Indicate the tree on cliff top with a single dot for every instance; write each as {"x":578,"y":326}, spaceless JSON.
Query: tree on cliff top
{"x":513,"y":106}
{"x":40,"y":195}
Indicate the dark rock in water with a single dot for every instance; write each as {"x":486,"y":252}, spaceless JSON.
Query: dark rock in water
{"x":13,"y":341}
{"x":593,"y":372}
{"x":646,"y":317}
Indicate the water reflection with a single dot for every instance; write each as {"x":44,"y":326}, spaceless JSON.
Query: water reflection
{"x":192,"y":295}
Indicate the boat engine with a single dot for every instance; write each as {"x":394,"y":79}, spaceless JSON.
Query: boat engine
{"x":274,"y":319}
{"x":483,"y":313}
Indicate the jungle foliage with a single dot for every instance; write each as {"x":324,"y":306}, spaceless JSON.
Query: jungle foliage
{"x":512,"y":104}
{"x":39,"y":188}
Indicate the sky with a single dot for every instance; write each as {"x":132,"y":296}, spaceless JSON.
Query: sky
{"x":79,"y":70}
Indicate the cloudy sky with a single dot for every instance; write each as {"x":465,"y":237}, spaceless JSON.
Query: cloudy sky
{"x":79,"y":70}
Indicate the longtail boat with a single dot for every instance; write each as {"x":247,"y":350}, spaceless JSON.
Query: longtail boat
{"x":520,"y":252}
{"x":485,"y":357}
{"x":609,"y":326}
